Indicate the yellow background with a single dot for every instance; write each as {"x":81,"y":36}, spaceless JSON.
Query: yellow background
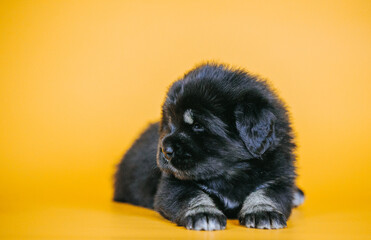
{"x":79,"y":80}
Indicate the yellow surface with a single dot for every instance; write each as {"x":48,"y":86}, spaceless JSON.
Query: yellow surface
{"x":80,"y":79}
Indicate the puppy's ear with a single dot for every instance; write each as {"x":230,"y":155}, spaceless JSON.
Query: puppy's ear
{"x":256,"y":127}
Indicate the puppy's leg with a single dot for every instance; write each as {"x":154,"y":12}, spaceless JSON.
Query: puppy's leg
{"x":188,"y":206}
{"x":267,"y":208}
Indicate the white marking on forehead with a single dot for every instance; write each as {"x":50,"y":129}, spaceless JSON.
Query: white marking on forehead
{"x":188,"y":116}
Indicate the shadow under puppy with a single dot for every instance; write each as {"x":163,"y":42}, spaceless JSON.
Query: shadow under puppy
{"x":224,"y":149}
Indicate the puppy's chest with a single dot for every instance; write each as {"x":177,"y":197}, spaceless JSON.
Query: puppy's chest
{"x":228,"y":198}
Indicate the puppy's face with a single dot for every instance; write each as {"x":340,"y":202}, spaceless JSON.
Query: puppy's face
{"x":204,"y":133}
{"x":196,"y":144}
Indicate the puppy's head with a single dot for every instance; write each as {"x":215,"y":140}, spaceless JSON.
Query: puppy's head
{"x":213,"y":123}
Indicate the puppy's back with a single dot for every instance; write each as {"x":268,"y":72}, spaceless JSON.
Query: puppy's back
{"x":137,"y":174}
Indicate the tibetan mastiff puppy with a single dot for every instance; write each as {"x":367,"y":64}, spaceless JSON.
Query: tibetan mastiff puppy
{"x":224,"y":148}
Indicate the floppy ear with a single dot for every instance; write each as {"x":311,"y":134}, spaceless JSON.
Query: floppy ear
{"x":256,"y":127}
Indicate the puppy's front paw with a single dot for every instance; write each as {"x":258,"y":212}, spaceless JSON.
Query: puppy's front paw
{"x":263,"y":220}
{"x":206,"y":221}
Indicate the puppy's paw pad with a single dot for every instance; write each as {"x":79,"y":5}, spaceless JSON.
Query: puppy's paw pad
{"x":206,"y":221}
{"x":263,"y":220}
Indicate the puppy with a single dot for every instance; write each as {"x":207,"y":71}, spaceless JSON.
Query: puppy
{"x":224,"y":148}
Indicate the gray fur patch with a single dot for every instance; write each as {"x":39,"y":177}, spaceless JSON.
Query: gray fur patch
{"x":258,"y":202}
{"x":202,"y":204}
{"x":298,"y":199}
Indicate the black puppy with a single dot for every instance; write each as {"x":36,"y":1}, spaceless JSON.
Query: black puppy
{"x":224,"y":149}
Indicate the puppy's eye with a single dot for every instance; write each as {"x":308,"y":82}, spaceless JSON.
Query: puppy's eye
{"x":197,"y":127}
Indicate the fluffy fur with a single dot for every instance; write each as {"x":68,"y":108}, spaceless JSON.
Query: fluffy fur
{"x":224,"y":149}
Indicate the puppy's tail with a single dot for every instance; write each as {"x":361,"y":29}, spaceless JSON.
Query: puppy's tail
{"x":298,"y":197}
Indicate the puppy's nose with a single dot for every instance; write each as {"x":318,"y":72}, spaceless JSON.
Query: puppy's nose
{"x":168,"y":152}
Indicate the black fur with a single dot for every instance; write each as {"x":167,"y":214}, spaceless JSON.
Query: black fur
{"x":137,"y":176}
{"x":235,"y":146}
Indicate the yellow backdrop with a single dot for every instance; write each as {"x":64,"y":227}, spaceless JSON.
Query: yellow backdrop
{"x":79,"y":80}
